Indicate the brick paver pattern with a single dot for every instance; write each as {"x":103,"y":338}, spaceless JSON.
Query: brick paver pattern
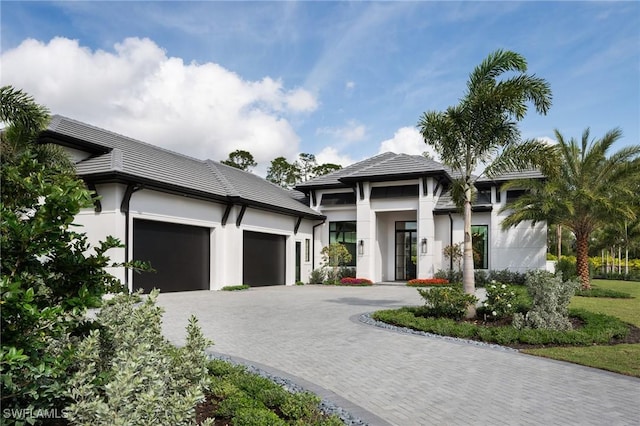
{"x":308,"y":332}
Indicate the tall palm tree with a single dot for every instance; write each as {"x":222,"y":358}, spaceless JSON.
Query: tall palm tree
{"x":587,"y":189}
{"x":482,"y":131}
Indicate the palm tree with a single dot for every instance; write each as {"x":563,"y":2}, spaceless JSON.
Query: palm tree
{"x":25,"y":119}
{"x":587,"y":189}
{"x":482,"y":131}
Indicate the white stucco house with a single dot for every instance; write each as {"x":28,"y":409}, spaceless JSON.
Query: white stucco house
{"x":395,"y":214}
{"x":205,"y":225}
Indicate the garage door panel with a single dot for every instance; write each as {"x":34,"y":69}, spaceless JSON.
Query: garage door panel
{"x":179,"y":254}
{"x":264,"y":259}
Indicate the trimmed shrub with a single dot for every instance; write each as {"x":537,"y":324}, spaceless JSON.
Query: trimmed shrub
{"x":427,"y":282}
{"x":566,"y":268}
{"x":447,"y":302}
{"x":356,"y":281}
{"x":128,"y":373}
{"x":550,"y":297}
{"x":235,"y":287}
{"x":500,"y":303}
{"x":317,"y":276}
{"x":453,"y":276}
{"x":506,"y":276}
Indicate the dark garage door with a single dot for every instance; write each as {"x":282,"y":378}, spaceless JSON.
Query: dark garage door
{"x":178,"y":253}
{"x":263,"y":259}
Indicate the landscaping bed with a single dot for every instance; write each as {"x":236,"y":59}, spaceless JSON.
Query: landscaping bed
{"x":591,"y":329}
{"x":239,"y":397}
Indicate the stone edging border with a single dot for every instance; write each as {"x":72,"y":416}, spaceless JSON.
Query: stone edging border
{"x":366,"y":319}
{"x":331,"y":403}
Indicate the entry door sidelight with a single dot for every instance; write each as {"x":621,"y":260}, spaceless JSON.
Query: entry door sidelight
{"x":406,"y":252}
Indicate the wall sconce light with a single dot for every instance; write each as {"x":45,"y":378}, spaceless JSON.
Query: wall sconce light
{"x":423,"y":246}
{"x":361,"y":247}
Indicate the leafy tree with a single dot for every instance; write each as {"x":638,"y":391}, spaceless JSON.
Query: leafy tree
{"x":307,"y":165}
{"x":240,"y":159}
{"x":482,"y":130}
{"x":283,"y":173}
{"x":587,"y":189}
{"x":334,"y":256}
{"x":325,"y":169}
{"x":48,"y":278}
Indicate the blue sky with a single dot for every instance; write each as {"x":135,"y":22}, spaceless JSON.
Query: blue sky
{"x":342,"y":80}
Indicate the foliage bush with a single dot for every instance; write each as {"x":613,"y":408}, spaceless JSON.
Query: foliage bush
{"x":356,"y":281}
{"x":550,"y":297}
{"x":317,"y":276}
{"x":249,"y":399}
{"x":427,"y":282}
{"x":506,"y":276}
{"x":447,"y":302}
{"x":235,"y":287}
{"x":597,"y":328}
{"x":500,"y":302}
{"x":453,"y":276}
{"x":566,"y":268}
{"x":128,"y":373}
{"x":49,"y":279}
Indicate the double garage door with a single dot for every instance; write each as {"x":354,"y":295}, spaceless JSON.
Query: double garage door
{"x":181,"y":257}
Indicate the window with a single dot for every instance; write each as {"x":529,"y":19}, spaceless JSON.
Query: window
{"x":480,"y":243}
{"x":344,"y":233}
{"x":394,"y":191}
{"x":307,"y":249}
{"x":338,"y":199}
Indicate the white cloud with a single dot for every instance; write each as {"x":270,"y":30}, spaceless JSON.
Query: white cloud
{"x":407,"y":140}
{"x":350,"y":85}
{"x":548,"y":140}
{"x":330,"y":154}
{"x":203,"y":110}
{"x":352,"y":132}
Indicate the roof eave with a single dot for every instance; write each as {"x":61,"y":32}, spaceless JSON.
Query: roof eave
{"x":50,"y":136}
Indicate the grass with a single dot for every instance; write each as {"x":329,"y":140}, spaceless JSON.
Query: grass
{"x":235,"y":287}
{"x":624,"y":359}
{"x":588,"y":346}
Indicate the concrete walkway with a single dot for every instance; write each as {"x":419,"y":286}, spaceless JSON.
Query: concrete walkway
{"x":309,"y":333}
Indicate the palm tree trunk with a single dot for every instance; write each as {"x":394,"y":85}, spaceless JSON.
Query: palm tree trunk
{"x":468,"y":279}
{"x":582,"y":259}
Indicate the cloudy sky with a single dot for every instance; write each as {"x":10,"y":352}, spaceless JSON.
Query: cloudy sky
{"x":341,"y":80}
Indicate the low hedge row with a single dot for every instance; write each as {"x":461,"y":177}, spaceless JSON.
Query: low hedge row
{"x":243,"y":398}
{"x":597,"y":329}
{"x":427,"y":282}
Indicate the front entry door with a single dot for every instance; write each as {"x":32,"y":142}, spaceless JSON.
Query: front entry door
{"x":406,"y":251}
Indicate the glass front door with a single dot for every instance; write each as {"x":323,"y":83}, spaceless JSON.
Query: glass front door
{"x":406,"y":250}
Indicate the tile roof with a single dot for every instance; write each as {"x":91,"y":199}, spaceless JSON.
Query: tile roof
{"x":139,"y":161}
{"x":446,"y":204}
{"x":385,"y":166}
{"x":392,"y":166}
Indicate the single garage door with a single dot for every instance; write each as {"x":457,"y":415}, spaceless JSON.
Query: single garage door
{"x":264,"y":259}
{"x":178,"y":253}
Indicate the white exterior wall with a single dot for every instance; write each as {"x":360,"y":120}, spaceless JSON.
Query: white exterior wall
{"x":519,"y":249}
{"x":226,"y":242}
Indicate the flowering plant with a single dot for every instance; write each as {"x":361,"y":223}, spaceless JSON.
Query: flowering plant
{"x":425,"y":282}
{"x":355,"y":281}
{"x":500,"y":301}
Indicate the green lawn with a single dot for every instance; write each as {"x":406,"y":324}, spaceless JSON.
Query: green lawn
{"x":623,"y":359}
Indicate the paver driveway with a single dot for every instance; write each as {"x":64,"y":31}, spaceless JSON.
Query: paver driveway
{"x":309,"y":332}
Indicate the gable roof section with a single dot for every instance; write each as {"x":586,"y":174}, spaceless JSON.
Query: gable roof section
{"x":382,"y":167}
{"x":117,"y":158}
